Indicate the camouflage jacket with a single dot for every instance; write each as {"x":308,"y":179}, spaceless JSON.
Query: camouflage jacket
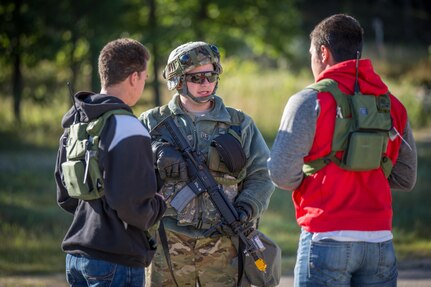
{"x":255,"y":185}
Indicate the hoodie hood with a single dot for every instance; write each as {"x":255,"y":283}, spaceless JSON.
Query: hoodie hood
{"x":345,"y":72}
{"x":90,"y":106}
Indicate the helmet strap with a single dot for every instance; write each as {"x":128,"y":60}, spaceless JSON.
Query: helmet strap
{"x":185,"y":92}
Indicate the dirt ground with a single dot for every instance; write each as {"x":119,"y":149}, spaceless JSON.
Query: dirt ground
{"x":420,"y":277}
{"x":406,"y":278}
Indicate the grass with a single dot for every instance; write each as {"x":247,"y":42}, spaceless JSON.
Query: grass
{"x":32,"y":226}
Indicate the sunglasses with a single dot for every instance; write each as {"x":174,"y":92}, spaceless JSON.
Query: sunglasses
{"x":199,"y":78}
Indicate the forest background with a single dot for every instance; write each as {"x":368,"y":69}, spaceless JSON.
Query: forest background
{"x":264,"y":47}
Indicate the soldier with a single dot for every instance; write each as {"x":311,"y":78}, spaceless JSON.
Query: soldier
{"x":201,"y":250}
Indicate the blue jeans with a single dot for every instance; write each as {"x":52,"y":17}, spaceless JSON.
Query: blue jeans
{"x":337,"y":263}
{"x":83,"y":271}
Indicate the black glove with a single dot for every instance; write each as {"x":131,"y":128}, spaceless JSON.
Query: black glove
{"x":170,"y":162}
{"x":245,"y":212}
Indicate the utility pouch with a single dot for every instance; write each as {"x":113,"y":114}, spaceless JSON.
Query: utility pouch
{"x":230,"y":152}
{"x":77,"y":141}
{"x":364,"y":151}
{"x":371,"y":112}
{"x":369,"y":140}
{"x":73,"y":172}
{"x":271,"y":254}
{"x":81,"y":171}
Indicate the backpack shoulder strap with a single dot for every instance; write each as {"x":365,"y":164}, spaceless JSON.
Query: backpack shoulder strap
{"x":342,"y":125}
{"x":342,"y":99}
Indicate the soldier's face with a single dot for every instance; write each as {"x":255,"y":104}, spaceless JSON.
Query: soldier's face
{"x":204,"y":89}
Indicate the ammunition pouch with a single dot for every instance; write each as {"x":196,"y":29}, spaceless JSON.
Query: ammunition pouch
{"x":230,"y":152}
{"x":226,"y":158}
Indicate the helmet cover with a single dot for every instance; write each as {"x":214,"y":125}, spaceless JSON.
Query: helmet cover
{"x":187,"y":57}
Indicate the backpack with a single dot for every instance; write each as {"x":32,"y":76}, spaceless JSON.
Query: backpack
{"x":362,"y":127}
{"x":81,"y":172}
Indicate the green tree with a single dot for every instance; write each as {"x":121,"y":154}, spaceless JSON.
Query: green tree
{"x":70,"y":34}
{"x":20,"y":38}
{"x":244,"y":28}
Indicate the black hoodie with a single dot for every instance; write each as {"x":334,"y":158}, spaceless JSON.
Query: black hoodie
{"x":112,"y":228}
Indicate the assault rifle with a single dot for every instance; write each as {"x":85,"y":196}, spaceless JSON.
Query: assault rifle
{"x":202,"y":180}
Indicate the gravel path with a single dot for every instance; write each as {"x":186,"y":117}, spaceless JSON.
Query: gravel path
{"x":407,"y":278}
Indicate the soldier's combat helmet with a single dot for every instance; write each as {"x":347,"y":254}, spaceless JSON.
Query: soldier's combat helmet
{"x":184,"y":59}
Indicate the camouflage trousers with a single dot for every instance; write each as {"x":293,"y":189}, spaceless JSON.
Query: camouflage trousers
{"x":206,"y":262}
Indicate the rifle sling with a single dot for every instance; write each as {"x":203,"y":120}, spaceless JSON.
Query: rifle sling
{"x":240,"y":262}
{"x":164,"y":241}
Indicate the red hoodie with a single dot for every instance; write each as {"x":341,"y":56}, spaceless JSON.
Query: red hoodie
{"x":337,"y":199}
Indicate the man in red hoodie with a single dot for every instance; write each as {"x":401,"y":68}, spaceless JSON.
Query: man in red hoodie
{"x":345,"y":212}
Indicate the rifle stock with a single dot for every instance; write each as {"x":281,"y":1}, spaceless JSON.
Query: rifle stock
{"x":202,"y":180}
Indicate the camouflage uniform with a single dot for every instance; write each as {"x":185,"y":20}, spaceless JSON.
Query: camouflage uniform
{"x":213,"y":262}
{"x":198,"y":256}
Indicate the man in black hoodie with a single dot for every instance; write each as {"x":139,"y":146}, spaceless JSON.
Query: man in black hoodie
{"x":106,"y":244}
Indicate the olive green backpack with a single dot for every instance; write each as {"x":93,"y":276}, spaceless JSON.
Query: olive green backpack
{"x":81,"y":171}
{"x":362,"y":127}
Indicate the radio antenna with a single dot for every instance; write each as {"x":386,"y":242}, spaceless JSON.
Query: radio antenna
{"x":69,"y":85}
{"x":358,"y":54}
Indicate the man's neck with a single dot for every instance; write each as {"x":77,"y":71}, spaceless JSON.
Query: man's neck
{"x":116,"y":91}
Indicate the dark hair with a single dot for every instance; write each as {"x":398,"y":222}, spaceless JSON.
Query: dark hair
{"x":120,"y":58}
{"x":341,"y":33}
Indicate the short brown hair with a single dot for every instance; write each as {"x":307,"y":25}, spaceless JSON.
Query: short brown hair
{"x":341,"y":33}
{"x":120,"y":58}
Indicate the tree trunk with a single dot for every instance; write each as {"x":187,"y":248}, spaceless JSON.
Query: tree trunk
{"x":155,"y":56}
{"x":16,"y":54}
{"x":95,"y":49}
{"x":17,"y":86}
{"x":74,"y":67}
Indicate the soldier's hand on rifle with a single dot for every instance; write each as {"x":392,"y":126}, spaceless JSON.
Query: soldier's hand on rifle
{"x":244,"y":211}
{"x":170,"y":162}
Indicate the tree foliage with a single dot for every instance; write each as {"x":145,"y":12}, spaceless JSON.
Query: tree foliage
{"x":67,"y":35}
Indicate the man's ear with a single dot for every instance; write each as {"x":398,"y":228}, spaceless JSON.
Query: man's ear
{"x":326,"y":55}
{"x":133,"y":78}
